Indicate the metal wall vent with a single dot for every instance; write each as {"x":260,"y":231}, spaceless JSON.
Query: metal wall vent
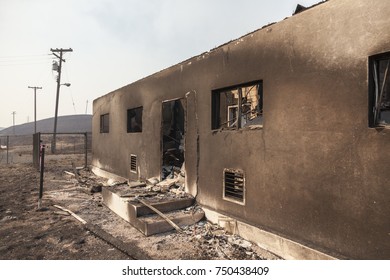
{"x":234,"y":185}
{"x":133,"y":163}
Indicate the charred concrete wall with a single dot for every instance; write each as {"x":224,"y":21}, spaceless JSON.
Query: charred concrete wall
{"x":315,"y":172}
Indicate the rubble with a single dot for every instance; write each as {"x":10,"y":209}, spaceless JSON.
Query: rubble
{"x":210,"y":240}
{"x":216,"y":243}
{"x":152,"y":181}
{"x":169,"y":188}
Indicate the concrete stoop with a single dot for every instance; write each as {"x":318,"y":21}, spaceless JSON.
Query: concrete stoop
{"x":145,"y":219}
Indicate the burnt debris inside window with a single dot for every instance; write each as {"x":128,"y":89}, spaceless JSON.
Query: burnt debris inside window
{"x":238,"y":107}
{"x":173,"y":137}
{"x":134,"y":120}
{"x":379,"y":108}
{"x":105,"y":123}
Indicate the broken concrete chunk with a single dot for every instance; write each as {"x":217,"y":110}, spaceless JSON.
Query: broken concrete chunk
{"x":8,"y":218}
{"x":239,"y":242}
{"x":168,"y":182}
{"x":152,"y":181}
{"x":162,"y":189}
{"x":112,"y":182}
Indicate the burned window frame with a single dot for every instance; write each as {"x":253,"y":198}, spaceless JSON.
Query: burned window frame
{"x":105,"y":123}
{"x":377,"y":89}
{"x":223,"y":121}
{"x":134,"y":113}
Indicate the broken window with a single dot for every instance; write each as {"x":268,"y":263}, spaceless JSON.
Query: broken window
{"x":234,"y":185}
{"x":238,"y":107}
{"x":379,"y":92}
{"x":134,"y":120}
{"x":104,"y":123}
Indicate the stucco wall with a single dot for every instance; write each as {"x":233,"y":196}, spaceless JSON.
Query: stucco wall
{"x":315,"y":172}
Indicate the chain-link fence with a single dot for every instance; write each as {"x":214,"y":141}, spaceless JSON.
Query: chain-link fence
{"x":16,"y":149}
{"x":19,"y":148}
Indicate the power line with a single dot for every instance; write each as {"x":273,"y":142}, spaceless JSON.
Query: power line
{"x":26,"y":55}
{"x":70,"y":90}
{"x":16,"y":63}
{"x":11,"y":59}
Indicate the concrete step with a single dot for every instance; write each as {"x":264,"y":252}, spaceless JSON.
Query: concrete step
{"x":153,"y":224}
{"x":145,"y":219}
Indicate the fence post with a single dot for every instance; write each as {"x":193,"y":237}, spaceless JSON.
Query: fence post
{"x":36,"y":149}
{"x":41,"y":177}
{"x":86,"y":149}
{"x":7,"y":147}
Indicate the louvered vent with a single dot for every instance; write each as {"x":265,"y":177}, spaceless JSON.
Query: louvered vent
{"x":234,"y":185}
{"x":133,"y":163}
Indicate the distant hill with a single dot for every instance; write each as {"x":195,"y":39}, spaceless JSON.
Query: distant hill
{"x":1,"y":128}
{"x":70,"y":124}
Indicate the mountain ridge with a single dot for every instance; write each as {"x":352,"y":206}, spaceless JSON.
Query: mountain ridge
{"x":65,"y":124}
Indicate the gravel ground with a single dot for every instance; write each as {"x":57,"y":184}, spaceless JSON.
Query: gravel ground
{"x":50,"y":233}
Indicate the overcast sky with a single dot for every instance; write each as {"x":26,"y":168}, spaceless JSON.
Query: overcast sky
{"x":114,"y":43}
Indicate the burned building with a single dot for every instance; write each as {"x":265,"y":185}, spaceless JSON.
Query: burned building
{"x":283,"y":132}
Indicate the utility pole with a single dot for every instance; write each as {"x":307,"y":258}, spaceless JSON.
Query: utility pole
{"x":13,"y":123}
{"x":86,"y":107}
{"x":55,"y":51}
{"x":35,"y":107}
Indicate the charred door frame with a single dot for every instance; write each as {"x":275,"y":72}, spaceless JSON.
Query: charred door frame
{"x":183,"y":101}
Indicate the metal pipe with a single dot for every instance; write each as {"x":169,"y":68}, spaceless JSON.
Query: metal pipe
{"x":41,"y":177}
{"x":7,"y":147}
{"x":86,"y":150}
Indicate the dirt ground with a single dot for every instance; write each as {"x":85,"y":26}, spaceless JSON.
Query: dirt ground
{"x":27,"y":232}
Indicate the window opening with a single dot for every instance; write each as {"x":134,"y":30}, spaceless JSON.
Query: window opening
{"x":234,"y":185}
{"x":238,"y":107}
{"x":380,"y":90}
{"x":134,"y":120}
{"x":105,"y":123}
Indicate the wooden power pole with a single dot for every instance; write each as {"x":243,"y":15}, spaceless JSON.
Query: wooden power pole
{"x":55,"y":51}
{"x":13,"y":122}
{"x":35,"y":107}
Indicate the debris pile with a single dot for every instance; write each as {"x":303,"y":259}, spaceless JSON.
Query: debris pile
{"x":9,"y":216}
{"x":83,"y":177}
{"x":151,"y":189}
{"x":216,"y":243}
{"x":210,"y":241}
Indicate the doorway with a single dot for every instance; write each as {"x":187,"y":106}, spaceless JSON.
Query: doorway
{"x":173,"y":136}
